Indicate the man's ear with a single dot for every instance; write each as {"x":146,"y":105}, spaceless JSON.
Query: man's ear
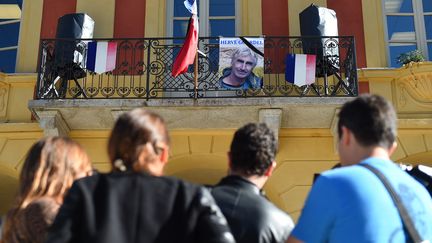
{"x":164,"y":155}
{"x":346,"y":136}
{"x":270,"y":169}
{"x":392,"y":148}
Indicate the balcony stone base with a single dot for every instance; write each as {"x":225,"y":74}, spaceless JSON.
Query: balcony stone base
{"x":282,"y":112}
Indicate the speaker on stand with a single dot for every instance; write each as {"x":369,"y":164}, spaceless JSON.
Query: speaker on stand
{"x":317,"y":23}
{"x":69,"y":53}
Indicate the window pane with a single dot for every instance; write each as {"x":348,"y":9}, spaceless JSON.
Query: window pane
{"x":398,"y":48}
{"x":7,"y":61}
{"x":222,"y":8}
{"x":400,"y":28}
{"x":427,"y":6}
{"x":9,"y":34}
{"x":222,"y":27}
{"x":428,"y":27}
{"x":180,"y":28}
{"x":398,"y":6}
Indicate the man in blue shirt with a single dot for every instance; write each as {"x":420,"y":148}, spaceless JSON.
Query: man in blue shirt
{"x":351,"y":204}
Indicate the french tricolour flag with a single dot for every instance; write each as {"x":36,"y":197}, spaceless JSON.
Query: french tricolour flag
{"x":300,"y":69}
{"x":101,"y":56}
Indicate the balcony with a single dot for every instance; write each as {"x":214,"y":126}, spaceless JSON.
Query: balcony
{"x":143,"y":70}
{"x":81,"y":99}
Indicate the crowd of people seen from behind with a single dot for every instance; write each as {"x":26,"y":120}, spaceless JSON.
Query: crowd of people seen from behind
{"x":62,"y":199}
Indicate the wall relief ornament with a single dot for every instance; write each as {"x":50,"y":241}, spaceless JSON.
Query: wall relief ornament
{"x":4,"y":94}
{"x":416,"y":81}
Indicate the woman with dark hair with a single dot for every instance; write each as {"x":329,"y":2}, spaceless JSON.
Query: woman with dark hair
{"x":51,"y":166}
{"x":134,"y":202}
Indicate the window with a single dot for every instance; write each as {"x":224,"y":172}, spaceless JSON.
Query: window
{"x":10,"y":14}
{"x":409,"y":27}
{"x":216,"y":18}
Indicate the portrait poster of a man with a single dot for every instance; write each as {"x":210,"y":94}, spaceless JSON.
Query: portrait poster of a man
{"x":240,"y":67}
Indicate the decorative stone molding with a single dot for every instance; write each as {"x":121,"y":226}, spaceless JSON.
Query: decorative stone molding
{"x":53,"y":123}
{"x":418,"y":86}
{"x":4,"y":97}
{"x":416,"y":80}
{"x":273,"y":118}
{"x":226,"y":113}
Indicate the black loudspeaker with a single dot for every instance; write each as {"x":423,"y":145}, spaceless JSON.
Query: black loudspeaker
{"x":68,"y":59}
{"x":316,"y":22}
{"x":70,"y":27}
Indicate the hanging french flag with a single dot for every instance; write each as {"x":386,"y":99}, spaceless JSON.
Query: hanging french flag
{"x":300,"y":69}
{"x":101,"y":56}
{"x":189,"y":49}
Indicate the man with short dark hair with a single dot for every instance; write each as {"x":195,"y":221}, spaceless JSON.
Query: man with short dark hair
{"x":351,"y":204}
{"x":251,"y":217}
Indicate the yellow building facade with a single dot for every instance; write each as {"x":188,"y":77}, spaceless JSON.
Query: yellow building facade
{"x":201,"y":131}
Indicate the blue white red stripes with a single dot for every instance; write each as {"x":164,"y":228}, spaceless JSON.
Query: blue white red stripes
{"x":300,"y":69}
{"x":101,"y":56}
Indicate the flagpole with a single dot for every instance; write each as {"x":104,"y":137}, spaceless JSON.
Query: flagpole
{"x":196,"y":76}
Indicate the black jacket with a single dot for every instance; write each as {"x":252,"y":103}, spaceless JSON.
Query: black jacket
{"x":134,"y":207}
{"x":251,"y":217}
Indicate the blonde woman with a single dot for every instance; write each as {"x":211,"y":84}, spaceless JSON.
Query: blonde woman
{"x":51,"y":166}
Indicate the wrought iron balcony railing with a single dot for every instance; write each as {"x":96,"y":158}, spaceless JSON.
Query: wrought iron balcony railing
{"x":143,"y":70}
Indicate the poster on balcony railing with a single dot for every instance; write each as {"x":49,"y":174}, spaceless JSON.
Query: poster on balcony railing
{"x":241,"y":63}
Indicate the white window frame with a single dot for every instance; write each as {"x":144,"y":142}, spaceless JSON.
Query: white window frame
{"x":419,"y":29}
{"x":203,"y":15}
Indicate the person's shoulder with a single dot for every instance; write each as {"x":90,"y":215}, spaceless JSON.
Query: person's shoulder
{"x":278,"y":214}
{"x":87,"y":182}
{"x":192,"y":194}
{"x":44,"y":202}
{"x":254,"y":81}
{"x":141,"y":178}
{"x":271,"y":218}
{"x":225,"y":73}
{"x":264,"y":209}
{"x":221,"y":189}
{"x":44,"y":207}
{"x":331,"y":184}
{"x":170,"y":183}
{"x":343,"y":172}
{"x":180,"y":182}
{"x":41,"y":212}
{"x":90,"y":179}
